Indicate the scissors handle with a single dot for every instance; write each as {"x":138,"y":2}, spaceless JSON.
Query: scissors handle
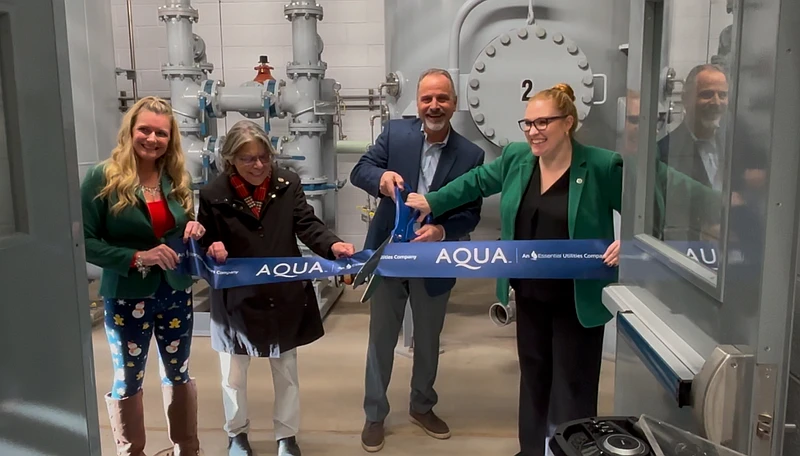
{"x":405,"y":217}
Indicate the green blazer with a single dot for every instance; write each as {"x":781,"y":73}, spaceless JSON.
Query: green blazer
{"x":595,"y":191}
{"x":111,"y":240}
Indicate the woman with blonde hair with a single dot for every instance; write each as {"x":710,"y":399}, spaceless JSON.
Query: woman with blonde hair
{"x":257,"y":209}
{"x":133,"y":203}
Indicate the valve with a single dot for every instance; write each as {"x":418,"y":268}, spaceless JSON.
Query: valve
{"x":264,"y":70}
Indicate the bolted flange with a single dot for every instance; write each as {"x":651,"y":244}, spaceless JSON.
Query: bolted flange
{"x":302,"y":8}
{"x":177,"y":12}
{"x":496,"y":66}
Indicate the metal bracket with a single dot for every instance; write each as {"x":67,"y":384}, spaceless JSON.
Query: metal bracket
{"x":129,"y":74}
{"x":766,"y":381}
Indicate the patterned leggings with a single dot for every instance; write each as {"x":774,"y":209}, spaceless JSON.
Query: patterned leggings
{"x":130,"y":324}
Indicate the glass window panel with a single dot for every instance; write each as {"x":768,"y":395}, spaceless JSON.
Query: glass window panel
{"x":692,"y":127}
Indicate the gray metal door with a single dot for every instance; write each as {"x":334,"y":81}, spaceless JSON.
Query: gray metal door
{"x":710,"y":218}
{"x":47,"y":391}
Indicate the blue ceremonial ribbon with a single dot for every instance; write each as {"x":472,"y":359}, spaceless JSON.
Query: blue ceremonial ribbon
{"x":557,"y":259}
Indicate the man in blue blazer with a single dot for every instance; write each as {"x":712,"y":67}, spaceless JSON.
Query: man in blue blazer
{"x":426,"y":154}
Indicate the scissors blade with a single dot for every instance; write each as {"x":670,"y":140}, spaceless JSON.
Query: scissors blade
{"x":373,"y":285}
{"x":370,"y":265}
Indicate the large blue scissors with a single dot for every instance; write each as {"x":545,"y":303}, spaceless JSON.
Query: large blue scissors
{"x":404,"y":221}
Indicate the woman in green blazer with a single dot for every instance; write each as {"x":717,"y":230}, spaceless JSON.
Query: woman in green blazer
{"x":132,"y":204}
{"x":552,"y":187}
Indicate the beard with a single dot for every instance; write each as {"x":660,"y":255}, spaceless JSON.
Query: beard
{"x":435,"y":126}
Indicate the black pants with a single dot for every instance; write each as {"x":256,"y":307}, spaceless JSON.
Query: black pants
{"x":559,"y":362}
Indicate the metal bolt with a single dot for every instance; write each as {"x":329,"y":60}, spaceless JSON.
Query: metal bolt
{"x":480,"y":66}
{"x":587,"y":99}
{"x":522,"y":33}
{"x":505,"y":39}
{"x":588,"y":81}
{"x":474,"y":84}
{"x":583,"y":64}
{"x":474,"y":102}
{"x":572,"y":49}
{"x":479,"y":118}
{"x":503,"y":142}
{"x":489,"y":132}
{"x":558,"y":38}
{"x":540,"y":32}
{"x":490,"y":51}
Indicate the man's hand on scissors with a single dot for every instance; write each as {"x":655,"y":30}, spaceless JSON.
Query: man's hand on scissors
{"x":429,"y":233}
{"x":390,"y":180}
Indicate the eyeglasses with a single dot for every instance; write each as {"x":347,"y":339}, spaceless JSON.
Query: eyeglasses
{"x":251,"y":161}
{"x":539,"y":124}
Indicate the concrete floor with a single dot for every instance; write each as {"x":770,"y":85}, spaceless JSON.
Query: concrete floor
{"x":477,"y":385}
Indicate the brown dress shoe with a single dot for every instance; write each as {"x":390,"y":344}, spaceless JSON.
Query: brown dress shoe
{"x":372,"y":436}
{"x":431,"y":424}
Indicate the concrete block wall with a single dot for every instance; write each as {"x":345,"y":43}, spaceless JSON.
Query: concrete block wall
{"x":237,"y":32}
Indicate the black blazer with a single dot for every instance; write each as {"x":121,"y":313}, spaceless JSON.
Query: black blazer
{"x":249,"y":320}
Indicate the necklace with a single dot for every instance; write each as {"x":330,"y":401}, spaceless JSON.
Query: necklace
{"x":154,"y":191}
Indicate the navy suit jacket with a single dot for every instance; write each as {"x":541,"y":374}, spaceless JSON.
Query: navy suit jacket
{"x":399,"y":149}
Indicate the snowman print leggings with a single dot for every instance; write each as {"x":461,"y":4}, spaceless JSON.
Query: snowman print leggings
{"x":130,"y":324}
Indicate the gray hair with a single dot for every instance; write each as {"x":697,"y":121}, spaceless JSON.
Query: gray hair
{"x":241,"y":133}
{"x":440,"y":72}
{"x":690,"y":83}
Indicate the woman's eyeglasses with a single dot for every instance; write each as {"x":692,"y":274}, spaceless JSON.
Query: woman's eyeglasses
{"x":251,"y":161}
{"x":539,"y":124}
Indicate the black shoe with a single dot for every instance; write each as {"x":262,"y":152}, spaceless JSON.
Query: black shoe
{"x":239,"y":445}
{"x":288,"y":447}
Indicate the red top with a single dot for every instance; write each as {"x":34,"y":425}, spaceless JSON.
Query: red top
{"x":162,"y":219}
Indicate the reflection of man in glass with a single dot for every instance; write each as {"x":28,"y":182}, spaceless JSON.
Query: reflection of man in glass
{"x":725,"y":42}
{"x":696,"y":146}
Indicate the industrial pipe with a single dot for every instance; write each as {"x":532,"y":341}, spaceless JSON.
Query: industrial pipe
{"x":455,"y":41}
{"x":503,"y":315}
{"x":131,"y":44}
{"x":184,"y":76}
{"x":241,"y":99}
{"x":352,"y":147}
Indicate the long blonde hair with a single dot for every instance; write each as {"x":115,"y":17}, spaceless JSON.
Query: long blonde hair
{"x":121,"y":176}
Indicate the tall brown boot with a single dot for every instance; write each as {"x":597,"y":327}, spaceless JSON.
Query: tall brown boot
{"x":127,"y":423}
{"x":180,"y":404}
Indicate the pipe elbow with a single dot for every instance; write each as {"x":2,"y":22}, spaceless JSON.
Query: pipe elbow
{"x":455,"y":37}
{"x":503,"y":315}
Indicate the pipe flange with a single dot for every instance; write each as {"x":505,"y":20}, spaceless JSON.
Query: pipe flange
{"x":178,"y":12}
{"x":489,"y":96}
{"x":190,"y":127}
{"x":302,"y":9}
{"x":294,"y":70}
{"x":206,"y":67}
{"x":300,"y":127}
{"x":177,"y":71}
